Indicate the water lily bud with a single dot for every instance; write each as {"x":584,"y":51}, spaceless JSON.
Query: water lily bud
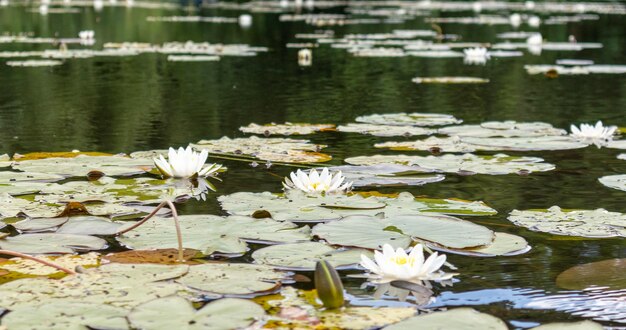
{"x":328,"y":285}
{"x":245,"y":20}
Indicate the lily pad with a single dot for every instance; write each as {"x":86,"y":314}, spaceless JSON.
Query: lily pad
{"x":304,"y":256}
{"x":233,"y":279}
{"x":614,"y":181}
{"x":445,"y":144}
{"x":457,"y":318}
{"x":88,"y":225}
{"x":585,"y":223}
{"x":9,"y":177}
{"x":399,"y":231}
{"x":387,"y":175}
{"x":384,"y":130}
{"x":178,"y":313}
{"x":287,"y":128}
{"x":297,"y":309}
{"x":39,"y":224}
{"x":503,"y":245}
{"x":209,"y":233}
{"x":409,"y":119}
{"x":298,"y":207}
{"x":66,"y":315}
{"x":503,"y":129}
{"x":525,"y":143}
{"x":83,"y":164}
{"x":158,"y":256}
{"x":606,"y":273}
{"x":52,"y":243}
{"x":580,"y":325}
{"x":498,"y":164}
{"x":270,"y":149}
{"x":30,"y":267}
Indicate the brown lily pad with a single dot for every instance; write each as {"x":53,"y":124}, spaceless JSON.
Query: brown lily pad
{"x":61,"y":154}
{"x":606,"y":273}
{"x":159,"y":256}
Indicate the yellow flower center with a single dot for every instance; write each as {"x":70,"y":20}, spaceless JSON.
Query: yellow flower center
{"x":403,"y":260}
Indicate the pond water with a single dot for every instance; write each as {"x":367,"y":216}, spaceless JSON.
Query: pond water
{"x":131,"y":103}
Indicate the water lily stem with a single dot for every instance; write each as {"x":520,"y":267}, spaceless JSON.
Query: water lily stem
{"x":141,"y":222}
{"x":179,"y":235}
{"x":41,"y":261}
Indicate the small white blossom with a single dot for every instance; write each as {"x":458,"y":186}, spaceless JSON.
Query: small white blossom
{"x":478,"y":55}
{"x":317,"y":183}
{"x":185,"y":163}
{"x":599,"y":134}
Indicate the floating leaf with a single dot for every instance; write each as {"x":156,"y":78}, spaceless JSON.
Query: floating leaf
{"x":52,"y":243}
{"x":606,"y":273}
{"x":580,"y":325}
{"x":525,"y":143}
{"x":88,"y":225}
{"x":62,"y":154}
{"x":384,"y":130}
{"x":303,"y":256}
{"x":387,"y":175}
{"x":210,"y":233}
{"x":287,"y":128}
{"x":30,"y":267}
{"x":586,"y":223}
{"x":193,"y":58}
{"x":178,"y":313}
{"x":296,"y":206}
{"x":63,"y":315}
{"x":409,"y":119}
{"x":83,"y":164}
{"x":457,"y":318}
{"x":467,"y":163}
{"x":446,"y":144}
{"x":39,"y":224}
{"x":158,"y":256}
{"x":233,"y":279}
{"x":503,"y":245}
{"x":271,"y":149}
{"x":33,"y":63}
{"x":10,"y":177}
{"x":614,"y":181}
{"x":503,"y":129}
{"x":449,"y":80}
{"x":400,"y":230}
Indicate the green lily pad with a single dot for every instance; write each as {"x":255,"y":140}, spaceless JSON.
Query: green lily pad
{"x":409,"y":119}
{"x":400,"y":230}
{"x":286,"y":128}
{"x":503,"y":245}
{"x":269,"y":149}
{"x":457,"y":318}
{"x":209,"y":233}
{"x":304,"y":256}
{"x":9,"y":177}
{"x":89,"y":225}
{"x":65,"y":315}
{"x":580,"y":325}
{"x":83,"y":164}
{"x":23,"y":187}
{"x":606,"y":273}
{"x":614,"y":181}
{"x":525,"y":143}
{"x":585,"y":223}
{"x":498,"y":164}
{"x":297,"y":309}
{"x":440,"y":144}
{"x":387,"y":175}
{"x":39,"y":224}
{"x":52,"y":243}
{"x":30,"y":267}
{"x":503,"y":129}
{"x":178,"y":313}
{"x":233,"y":279}
{"x":384,"y":130}
{"x":11,"y":207}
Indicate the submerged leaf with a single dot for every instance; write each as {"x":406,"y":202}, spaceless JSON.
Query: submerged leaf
{"x":606,"y":273}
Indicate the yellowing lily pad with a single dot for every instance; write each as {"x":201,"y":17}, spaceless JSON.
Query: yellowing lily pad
{"x":384,"y":130}
{"x":457,"y":318}
{"x":304,"y":256}
{"x":400,"y":230}
{"x":178,"y":313}
{"x":233,"y":279}
{"x":269,"y":149}
{"x":62,"y":154}
{"x":30,"y":267}
{"x":158,"y":256}
{"x":503,"y":129}
{"x":210,"y":233}
{"x":299,"y":207}
{"x":498,"y":164}
{"x":606,"y":273}
{"x":287,"y":128}
{"x":409,"y":119}
{"x":585,"y":223}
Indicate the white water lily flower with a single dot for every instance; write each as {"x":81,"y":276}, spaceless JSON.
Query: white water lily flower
{"x":86,"y":35}
{"x":318,"y":183}
{"x":535,"y":39}
{"x":185,"y":163}
{"x":396,"y":265}
{"x":599,"y":134}
{"x":478,"y":55}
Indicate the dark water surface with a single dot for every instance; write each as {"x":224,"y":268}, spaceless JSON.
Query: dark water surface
{"x":125,"y":104}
